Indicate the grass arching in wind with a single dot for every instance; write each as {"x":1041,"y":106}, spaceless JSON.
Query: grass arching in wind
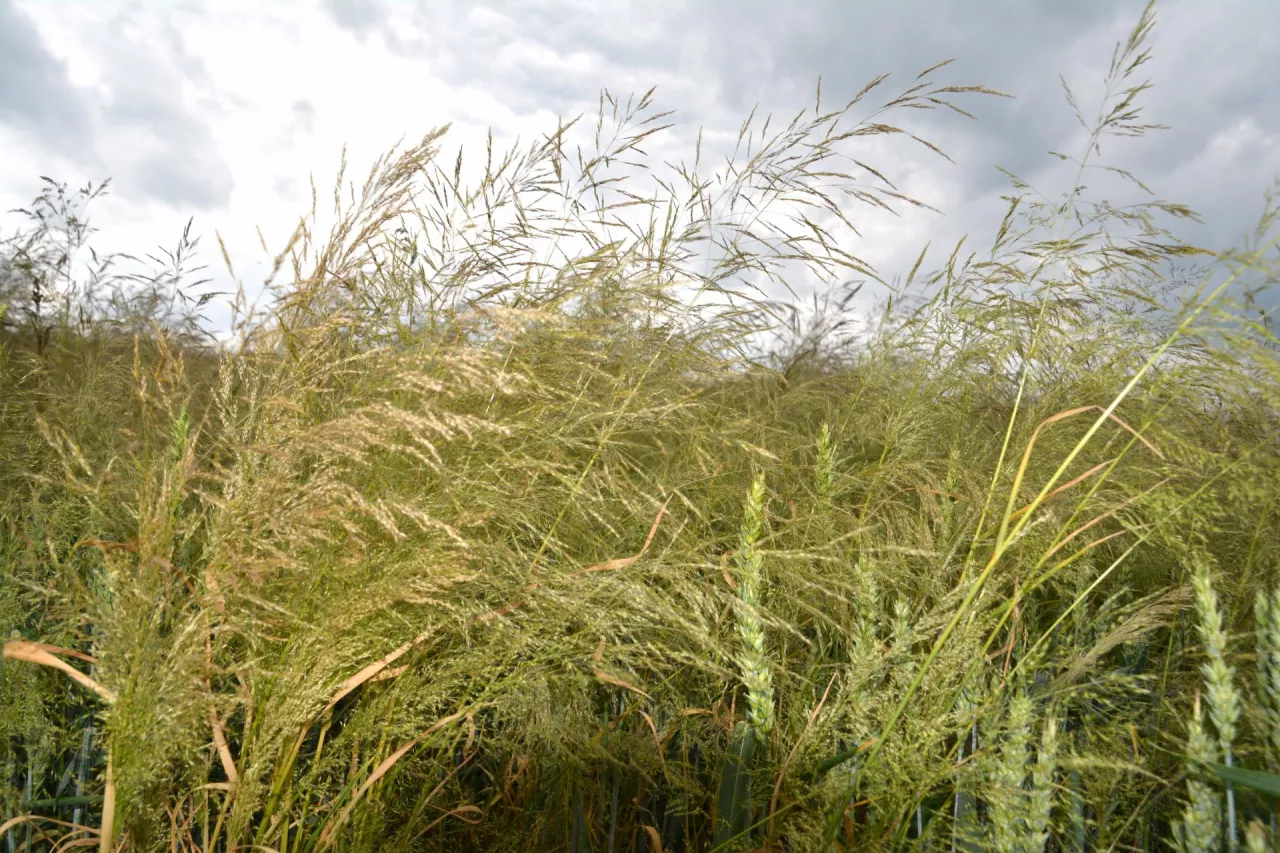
{"x":468,"y":546}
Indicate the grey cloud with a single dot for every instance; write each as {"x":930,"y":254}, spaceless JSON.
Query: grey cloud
{"x":170,"y":154}
{"x":35,"y":94}
{"x":289,"y":189}
{"x":144,"y":137}
{"x":171,"y":178}
{"x":356,"y":15}
{"x":715,"y":60}
{"x":304,"y":115}
{"x":479,"y":45}
{"x":1208,"y":70}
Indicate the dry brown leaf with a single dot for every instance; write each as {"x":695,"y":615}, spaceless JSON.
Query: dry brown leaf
{"x":618,"y":682}
{"x":71,"y":653}
{"x":623,"y":562}
{"x":373,"y":669}
{"x":33,"y":653}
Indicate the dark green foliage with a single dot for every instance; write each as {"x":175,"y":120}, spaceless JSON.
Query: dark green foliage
{"x":733,"y":806}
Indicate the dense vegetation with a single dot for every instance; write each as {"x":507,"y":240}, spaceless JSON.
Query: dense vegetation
{"x":465,"y":545}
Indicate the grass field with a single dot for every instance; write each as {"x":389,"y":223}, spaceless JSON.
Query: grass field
{"x":462,"y":546}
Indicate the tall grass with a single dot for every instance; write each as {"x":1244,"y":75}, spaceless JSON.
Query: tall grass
{"x":495,"y":530}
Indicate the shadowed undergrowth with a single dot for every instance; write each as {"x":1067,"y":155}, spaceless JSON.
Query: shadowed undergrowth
{"x":498,"y":531}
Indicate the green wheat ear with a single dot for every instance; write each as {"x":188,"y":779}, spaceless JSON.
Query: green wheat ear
{"x":734,"y":802}
{"x":1019,"y":792}
{"x":1199,"y":830}
{"x":1267,"y":626}
{"x":825,"y":477}
{"x":1223,"y":695}
{"x":757,"y":675}
{"x":1224,"y":698}
{"x":1008,"y":770}
{"x":1201,"y":826}
{"x":867,"y":598}
{"x":1040,"y":808}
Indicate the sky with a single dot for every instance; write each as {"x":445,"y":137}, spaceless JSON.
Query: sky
{"x":221,"y":110}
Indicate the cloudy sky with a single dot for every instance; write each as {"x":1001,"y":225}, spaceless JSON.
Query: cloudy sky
{"x":220,"y":109}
